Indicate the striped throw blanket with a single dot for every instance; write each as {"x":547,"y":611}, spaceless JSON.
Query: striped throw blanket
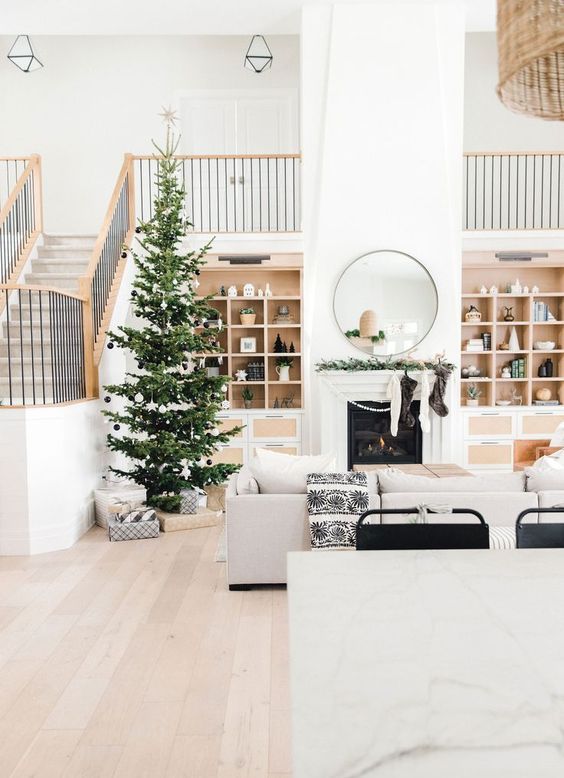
{"x":334,"y":503}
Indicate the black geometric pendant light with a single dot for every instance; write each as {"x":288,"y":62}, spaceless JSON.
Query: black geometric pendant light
{"x":23,"y":56}
{"x":258,"y":56}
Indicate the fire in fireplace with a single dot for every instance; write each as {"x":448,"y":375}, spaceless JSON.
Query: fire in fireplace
{"x":370,"y":441}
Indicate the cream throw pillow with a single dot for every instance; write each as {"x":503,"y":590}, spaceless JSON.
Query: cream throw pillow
{"x":278,"y":473}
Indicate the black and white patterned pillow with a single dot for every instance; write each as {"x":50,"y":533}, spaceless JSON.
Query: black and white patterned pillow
{"x":334,"y":503}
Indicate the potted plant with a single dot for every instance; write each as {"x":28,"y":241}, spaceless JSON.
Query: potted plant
{"x":247,"y":395}
{"x":283,"y":365}
{"x":212,"y":366}
{"x":213,"y":317}
{"x":248,"y":316}
{"x":472,"y":394}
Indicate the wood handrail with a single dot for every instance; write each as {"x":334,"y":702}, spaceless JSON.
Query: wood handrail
{"x":104,"y":229}
{"x":37,"y":288}
{"x":15,"y":159}
{"x":221,"y":156}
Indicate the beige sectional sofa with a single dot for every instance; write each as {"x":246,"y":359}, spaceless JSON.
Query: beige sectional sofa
{"x":263,"y":528}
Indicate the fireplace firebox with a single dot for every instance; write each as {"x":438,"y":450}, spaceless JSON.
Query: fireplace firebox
{"x":370,"y":441}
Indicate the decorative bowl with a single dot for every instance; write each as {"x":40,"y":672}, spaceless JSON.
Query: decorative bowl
{"x":503,"y":402}
{"x":544,"y":345}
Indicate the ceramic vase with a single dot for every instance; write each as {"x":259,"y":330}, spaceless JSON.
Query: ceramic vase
{"x":514,"y":340}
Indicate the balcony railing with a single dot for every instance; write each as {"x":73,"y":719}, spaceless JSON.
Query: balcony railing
{"x":11,"y":169}
{"x":239,"y":193}
{"x":513,"y":191}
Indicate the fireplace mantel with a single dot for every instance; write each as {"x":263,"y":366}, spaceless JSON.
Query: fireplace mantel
{"x":338,"y":387}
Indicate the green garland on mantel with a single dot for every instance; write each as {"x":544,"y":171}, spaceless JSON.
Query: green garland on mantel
{"x":354,"y":365}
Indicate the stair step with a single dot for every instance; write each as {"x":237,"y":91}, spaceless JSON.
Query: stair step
{"x":35,"y":368}
{"x":63,"y":281}
{"x":68,"y":252}
{"x":26,"y":329}
{"x":60,"y":265}
{"x":61,"y":239}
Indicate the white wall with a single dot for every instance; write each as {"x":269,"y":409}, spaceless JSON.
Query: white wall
{"x":99,"y":97}
{"x":382,"y":93}
{"x":488,"y":124}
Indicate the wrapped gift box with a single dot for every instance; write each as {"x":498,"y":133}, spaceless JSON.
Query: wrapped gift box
{"x":132,"y":530}
{"x":104,"y":498}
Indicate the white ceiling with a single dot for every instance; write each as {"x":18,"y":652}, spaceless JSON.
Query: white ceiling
{"x":182,"y":17}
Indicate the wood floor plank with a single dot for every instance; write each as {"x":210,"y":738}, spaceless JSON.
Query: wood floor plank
{"x":245,"y":741}
{"x":49,"y":755}
{"x":133,"y":659}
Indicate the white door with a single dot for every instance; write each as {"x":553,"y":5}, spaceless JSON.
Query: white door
{"x":230,"y":192}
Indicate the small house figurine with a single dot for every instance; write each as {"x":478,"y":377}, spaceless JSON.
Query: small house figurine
{"x":248,"y":290}
{"x":484,"y":290}
{"x":493,"y":289}
{"x":535,"y":290}
{"x":516,"y":287}
{"x":260,"y":293}
{"x":232,"y":291}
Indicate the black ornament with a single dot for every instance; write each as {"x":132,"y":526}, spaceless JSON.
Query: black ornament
{"x":134,"y":293}
{"x":206,"y":324}
{"x":138,"y":230}
{"x":107,"y":399}
{"x":196,"y":322}
{"x":209,"y":462}
{"x":124,"y":254}
{"x":185,"y":365}
{"x":116,"y":427}
{"x":141,"y":365}
{"x":110,"y":344}
{"x":197,"y":272}
{"x":130,"y":398}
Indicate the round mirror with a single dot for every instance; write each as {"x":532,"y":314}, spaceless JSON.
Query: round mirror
{"x":385,"y":303}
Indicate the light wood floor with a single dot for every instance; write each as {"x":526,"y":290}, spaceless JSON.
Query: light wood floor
{"x":134,"y":659}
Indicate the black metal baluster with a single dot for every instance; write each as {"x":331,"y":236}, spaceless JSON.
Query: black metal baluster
{"x":21,"y":346}
{"x":542,"y":192}
{"x":31,"y":339}
{"x":40,"y":299}
{"x":252,"y":195}
{"x":217,"y":191}
{"x":526,"y":191}
{"x":550,"y":201}
{"x":234,"y":196}
{"x":268,"y":188}
{"x":517,"y":197}
{"x":260,"y":194}
{"x":534,"y":190}
{"x":277,"y":193}
{"x":294,"y":194}
{"x":9,"y":350}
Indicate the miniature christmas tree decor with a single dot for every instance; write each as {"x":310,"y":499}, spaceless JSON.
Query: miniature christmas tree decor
{"x":165,"y":420}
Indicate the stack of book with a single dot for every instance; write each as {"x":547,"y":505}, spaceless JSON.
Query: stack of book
{"x":475,"y":344}
{"x":518,"y":368}
{"x":541,"y":312}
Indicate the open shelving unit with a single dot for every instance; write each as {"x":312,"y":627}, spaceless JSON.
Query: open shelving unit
{"x":549,"y":278}
{"x":283,"y":273}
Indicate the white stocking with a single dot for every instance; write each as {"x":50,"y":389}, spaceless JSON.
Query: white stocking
{"x":424,"y":408}
{"x":393,"y":394}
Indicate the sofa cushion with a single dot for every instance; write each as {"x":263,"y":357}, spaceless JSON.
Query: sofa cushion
{"x":539,"y":480}
{"x":396,"y":481}
{"x":498,"y":509}
{"x":246,"y":482}
{"x":278,"y":473}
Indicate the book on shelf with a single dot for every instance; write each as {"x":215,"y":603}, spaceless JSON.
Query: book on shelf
{"x":546,"y":402}
{"x":475,"y":344}
{"x":517,"y":368}
{"x":541,"y":312}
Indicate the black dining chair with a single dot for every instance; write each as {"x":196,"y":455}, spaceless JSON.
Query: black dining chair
{"x":549,"y":535}
{"x":396,"y":537}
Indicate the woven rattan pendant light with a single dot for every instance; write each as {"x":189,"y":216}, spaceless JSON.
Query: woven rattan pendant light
{"x":530,"y":37}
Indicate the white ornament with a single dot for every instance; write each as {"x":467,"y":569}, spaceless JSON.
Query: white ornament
{"x":225,"y":405}
{"x":248,"y":290}
{"x":493,"y":289}
{"x":224,"y":387}
{"x":195,"y":283}
{"x":162,"y":408}
{"x":219,"y":324}
{"x":268,"y":291}
{"x":220,"y":360}
{"x":535,"y":290}
{"x":232,"y":291}
{"x":525,"y":290}
{"x":483,"y":290}
{"x":138,"y":397}
{"x":241,"y":375}
{"x":152,"y":406}
{"x":260,"y":292}
{"x":163,"y":304}
{"x":215,"y":432}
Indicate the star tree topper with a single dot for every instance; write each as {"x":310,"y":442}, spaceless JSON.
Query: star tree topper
{"x":169,"y":116}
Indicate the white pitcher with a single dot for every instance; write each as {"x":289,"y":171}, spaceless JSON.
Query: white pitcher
{"x":283,"y":372}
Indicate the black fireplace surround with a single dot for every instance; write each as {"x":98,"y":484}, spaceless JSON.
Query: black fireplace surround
{"x":370,"y":441}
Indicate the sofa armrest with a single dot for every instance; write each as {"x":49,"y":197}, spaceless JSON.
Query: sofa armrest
{"x":231,"y":489}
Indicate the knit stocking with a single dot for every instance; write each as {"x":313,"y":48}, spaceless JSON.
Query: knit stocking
{"x":408,"y":387}
{"x":437,"y":396}
{"x":393,"y":394}
{"x":424,"y":409}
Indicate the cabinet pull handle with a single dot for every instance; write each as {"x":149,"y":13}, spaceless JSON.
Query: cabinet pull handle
{"x":489,"y":443}
{"x":543,"y":413}
{"x":490,"y":413}
{"x":274,"y":416}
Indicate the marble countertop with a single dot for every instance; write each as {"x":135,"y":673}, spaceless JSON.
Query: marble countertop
{"x":427,"y":664}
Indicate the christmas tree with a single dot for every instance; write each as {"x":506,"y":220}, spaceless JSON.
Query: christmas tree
{"x":166,"y":424}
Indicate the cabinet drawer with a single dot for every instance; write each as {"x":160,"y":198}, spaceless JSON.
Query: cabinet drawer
{"x":489,"y":424}
{"x":229,"y":456}
{"x":488,"y":454}
{"x":539,"y":423}
{"x":275,"y":426}
{"x":279,"y":448}
{"x":227,"y":423}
